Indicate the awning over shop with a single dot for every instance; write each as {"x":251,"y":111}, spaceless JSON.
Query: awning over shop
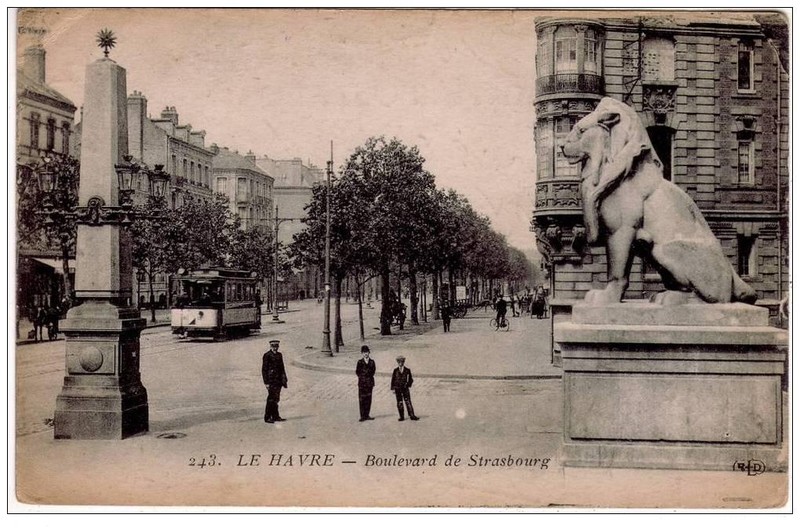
{"x":56,"y":264}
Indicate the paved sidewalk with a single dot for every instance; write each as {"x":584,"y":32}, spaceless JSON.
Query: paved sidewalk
{"x":472,"y":350}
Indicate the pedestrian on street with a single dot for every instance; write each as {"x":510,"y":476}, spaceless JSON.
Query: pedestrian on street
{"x":274,"y":374}
{"x":513,"y":306}
{"x":401,"y":385}
{"x":365,"y":370}
{"x":446,"y":317}
{"x":39,"y":323}
{"x":501,"y":307}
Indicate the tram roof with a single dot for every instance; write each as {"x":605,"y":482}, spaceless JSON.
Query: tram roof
{"x":218,"y":273}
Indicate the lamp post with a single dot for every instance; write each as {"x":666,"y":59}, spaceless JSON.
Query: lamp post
{"x":326,"y":331}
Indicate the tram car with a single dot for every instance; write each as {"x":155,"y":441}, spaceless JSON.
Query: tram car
{"x":217,"y":303}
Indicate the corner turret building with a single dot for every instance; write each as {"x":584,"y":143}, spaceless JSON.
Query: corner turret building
{"x":712,"y":90}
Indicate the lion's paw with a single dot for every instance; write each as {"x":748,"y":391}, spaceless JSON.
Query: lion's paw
{"x":601,"y":297}
{"x":669,"y":298}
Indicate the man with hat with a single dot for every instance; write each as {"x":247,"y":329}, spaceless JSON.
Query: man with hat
{"x":401,"y":383}
{"x":274,"y":374}
{"x":365,"y":371}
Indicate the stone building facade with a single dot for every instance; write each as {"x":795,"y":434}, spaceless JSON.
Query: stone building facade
{"x":45,"y":126}
{"x":248,"y":188}
{"x":293,"y":183}
{"x":178,"y":147}
{"x":713,"y":93}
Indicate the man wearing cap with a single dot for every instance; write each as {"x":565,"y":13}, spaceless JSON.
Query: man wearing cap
{"x":365,"y":370}
{"x":401,"y":383}
{"x":274,"y":374}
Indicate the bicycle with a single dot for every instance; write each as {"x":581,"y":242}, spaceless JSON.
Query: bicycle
{"x":504,"y":324}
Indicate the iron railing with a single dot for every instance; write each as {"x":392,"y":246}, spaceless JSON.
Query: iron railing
{"x":587,"y":83}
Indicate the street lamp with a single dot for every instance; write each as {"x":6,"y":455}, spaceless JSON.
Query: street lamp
{"x":126,"y":170}
{"x":326,"y":331}
{"x":47,"y":182}
{"x":158,"y":181}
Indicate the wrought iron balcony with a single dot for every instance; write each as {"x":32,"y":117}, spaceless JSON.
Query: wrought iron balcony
{"x":587,"y":83}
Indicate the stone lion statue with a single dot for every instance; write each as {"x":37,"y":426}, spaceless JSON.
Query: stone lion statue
{"x":629,"y":205}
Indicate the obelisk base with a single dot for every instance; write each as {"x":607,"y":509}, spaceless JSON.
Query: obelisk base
{"x":102,"y":396}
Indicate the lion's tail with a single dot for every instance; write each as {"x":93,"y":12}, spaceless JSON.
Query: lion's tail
{"x":742,"y":291}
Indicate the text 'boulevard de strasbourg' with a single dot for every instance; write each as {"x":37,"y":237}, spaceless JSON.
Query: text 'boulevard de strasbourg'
{"x":371,"y":460}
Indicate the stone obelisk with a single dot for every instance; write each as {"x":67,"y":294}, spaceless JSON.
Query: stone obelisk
{"x":102,"y":396}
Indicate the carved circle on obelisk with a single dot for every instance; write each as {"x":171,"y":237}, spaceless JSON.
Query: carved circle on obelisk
{"x":91,"y":359}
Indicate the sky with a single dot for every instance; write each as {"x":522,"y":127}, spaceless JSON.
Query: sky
{"x":285,"y":83}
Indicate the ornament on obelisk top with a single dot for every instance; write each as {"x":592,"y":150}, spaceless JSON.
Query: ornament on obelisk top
{"x":106,"y":40}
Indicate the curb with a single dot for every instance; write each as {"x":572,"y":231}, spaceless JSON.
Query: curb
{"x":299,"y":362}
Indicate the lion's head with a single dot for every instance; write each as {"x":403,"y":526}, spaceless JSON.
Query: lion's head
{"x":607,"y":141}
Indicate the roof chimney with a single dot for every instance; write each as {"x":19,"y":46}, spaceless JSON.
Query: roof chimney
{"x":33,"y":63}
{"x":171,"y":114}
{"x":251,"y":157}
{"x":214,"y":148}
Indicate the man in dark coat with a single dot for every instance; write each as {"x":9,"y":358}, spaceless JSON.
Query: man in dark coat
{"x":446,"y":316}
{"x":365,"y":370}
{"x":401,"y":384}
{"x":274,"y":374}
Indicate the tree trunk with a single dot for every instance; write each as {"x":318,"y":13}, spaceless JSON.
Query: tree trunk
{"x":435,"y":294}
{"x":152,"y":296}
{"x":360,"y":309}
{"x":386,"y":310}
{"x":412,"y":289}
{"x":451,"y":295}
{"x":425,"y":298}
{"x":338,"y":315}
{"x":400,"y":291}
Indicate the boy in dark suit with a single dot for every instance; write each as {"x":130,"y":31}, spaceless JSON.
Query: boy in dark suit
{"x":365,"y":370}
{"x":401,"y":384}
{"x":274,"y":374}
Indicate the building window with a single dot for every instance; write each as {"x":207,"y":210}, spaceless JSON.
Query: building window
{"x":544,"y":60}
{"x":590,"y":52}
{"x":745,"y":79}
{"x":564,"y":169}
{"x":746,"y":167}
{"x":65,"y":132}
{"x":51,"y":134}
{"x":221,"y":184}
{"x":747,"y":259}
{"x":658,"y":59}
{"x":185,"y":173}
{"x":35,"y":123}
{"x":191,"y":172}
{"x":544,"y":149}
{"x":566,"y":50}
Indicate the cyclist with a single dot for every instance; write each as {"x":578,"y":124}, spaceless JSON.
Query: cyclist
{"x":501,"y":307}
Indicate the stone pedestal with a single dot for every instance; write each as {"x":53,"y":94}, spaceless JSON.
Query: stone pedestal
{"x":683,"y":387}
{"x":102,"y":396}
